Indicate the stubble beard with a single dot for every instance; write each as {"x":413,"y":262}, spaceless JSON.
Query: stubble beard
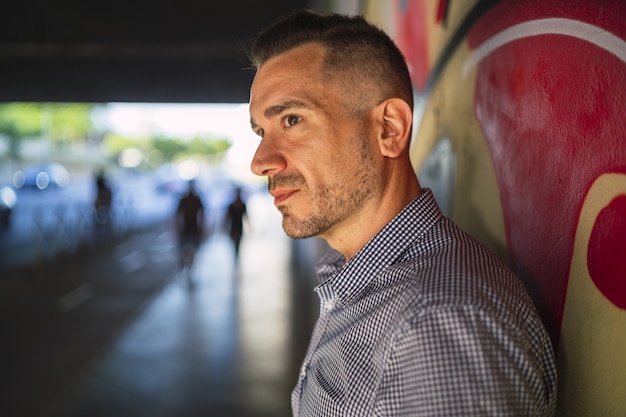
{"x":331,"y":204}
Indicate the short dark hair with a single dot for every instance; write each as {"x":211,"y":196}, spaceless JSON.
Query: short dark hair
{"x":355,"y":49}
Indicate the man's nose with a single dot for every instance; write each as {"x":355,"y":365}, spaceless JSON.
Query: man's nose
{"x":267,"y":159}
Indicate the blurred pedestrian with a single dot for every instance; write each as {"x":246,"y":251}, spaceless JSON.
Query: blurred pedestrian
{"x":235,"y":214}
{"x":102,"y":202}
{"x":189,"y":220}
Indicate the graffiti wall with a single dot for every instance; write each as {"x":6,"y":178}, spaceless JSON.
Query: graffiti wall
{"x":521,"y":134}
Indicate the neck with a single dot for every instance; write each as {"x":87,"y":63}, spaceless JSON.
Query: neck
{"x":354,"y":233}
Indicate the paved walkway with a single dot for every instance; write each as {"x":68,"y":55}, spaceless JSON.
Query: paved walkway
{"x":123,"y":334}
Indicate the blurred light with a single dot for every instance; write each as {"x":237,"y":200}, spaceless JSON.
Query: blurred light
{"x":60,"y":175}
{"x":19,"y":179}
{"x":188,"y":170}
{"x":42,"y":180}
{"x":8,"y":197}
{"x":130,"y":158}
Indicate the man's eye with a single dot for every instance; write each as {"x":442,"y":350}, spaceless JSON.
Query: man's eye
{"x":291,"y":120}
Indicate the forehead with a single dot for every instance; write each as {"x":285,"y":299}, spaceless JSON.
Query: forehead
{"x":310,"y":54}
{"x":297,"y":71}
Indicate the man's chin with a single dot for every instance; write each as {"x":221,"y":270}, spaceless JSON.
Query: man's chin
{"x":296,"y":234}
{"x":297,"y":229}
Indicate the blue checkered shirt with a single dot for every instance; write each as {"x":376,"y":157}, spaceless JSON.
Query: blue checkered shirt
{"x":424,"y":321}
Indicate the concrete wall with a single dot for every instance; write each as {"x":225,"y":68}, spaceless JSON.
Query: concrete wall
{"x":521,"y":133}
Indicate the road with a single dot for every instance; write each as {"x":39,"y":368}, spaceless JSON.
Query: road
{"x":120,"y":332}
{"x":47,"y":224}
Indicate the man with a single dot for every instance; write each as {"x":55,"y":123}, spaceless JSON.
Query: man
{"x":189,"y":224}
{"x":102,"y":202}
{"x":235,"y":214}
{"x":417,"y":318}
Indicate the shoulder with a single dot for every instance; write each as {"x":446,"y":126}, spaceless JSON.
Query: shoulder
{"x":448,"y":270}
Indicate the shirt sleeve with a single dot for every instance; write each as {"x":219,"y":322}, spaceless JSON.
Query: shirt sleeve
{"x":463,"y":361}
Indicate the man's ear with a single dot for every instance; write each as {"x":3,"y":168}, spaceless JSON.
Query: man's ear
{"x":397,"y":119}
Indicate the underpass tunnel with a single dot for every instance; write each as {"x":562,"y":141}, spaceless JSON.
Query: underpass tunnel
{"x":97,"y":316}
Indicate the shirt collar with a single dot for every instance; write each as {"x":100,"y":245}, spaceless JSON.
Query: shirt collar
{"x":348,"y":280}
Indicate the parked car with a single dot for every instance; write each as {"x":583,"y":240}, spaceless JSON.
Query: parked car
{"x":42,"y":177}
{"x":8,"y":199}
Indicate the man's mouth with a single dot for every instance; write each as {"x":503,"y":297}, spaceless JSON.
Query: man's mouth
{"x":281,"y":196}
{"x":283,"y":187}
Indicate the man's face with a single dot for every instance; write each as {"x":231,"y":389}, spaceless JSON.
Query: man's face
{"x":318,"y":157}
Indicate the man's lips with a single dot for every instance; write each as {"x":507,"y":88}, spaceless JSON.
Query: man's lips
{"x":280,"y":196}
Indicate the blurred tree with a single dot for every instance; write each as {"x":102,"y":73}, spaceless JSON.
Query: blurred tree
{"x":57,"y":122}
{"x":114,"y":143}
{"x":63,"y":123}
{"x":169,"y":147}
{"x":207,"y":147}
{"x":18,"y":121}
{"x":213,"y":148}
{"x":66,"y":122}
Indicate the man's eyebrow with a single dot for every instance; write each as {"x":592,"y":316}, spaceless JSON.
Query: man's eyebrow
{"x":287,"y":105}
{"x":279,"y":108}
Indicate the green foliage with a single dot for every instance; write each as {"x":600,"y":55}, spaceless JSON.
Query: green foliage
{"x":170,"y":149}
{"x":114,"y":143}
{"x":19,"y":120}
{"x":210,"y":147}
{"x":58,"y":121}
{"x":67,"y":121}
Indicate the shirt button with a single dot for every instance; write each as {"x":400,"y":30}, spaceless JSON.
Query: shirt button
{"x":303,"y":371}
{"x":329,"y":305}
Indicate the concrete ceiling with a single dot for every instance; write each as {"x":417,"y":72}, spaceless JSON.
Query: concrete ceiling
{"x":131,"y":50}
